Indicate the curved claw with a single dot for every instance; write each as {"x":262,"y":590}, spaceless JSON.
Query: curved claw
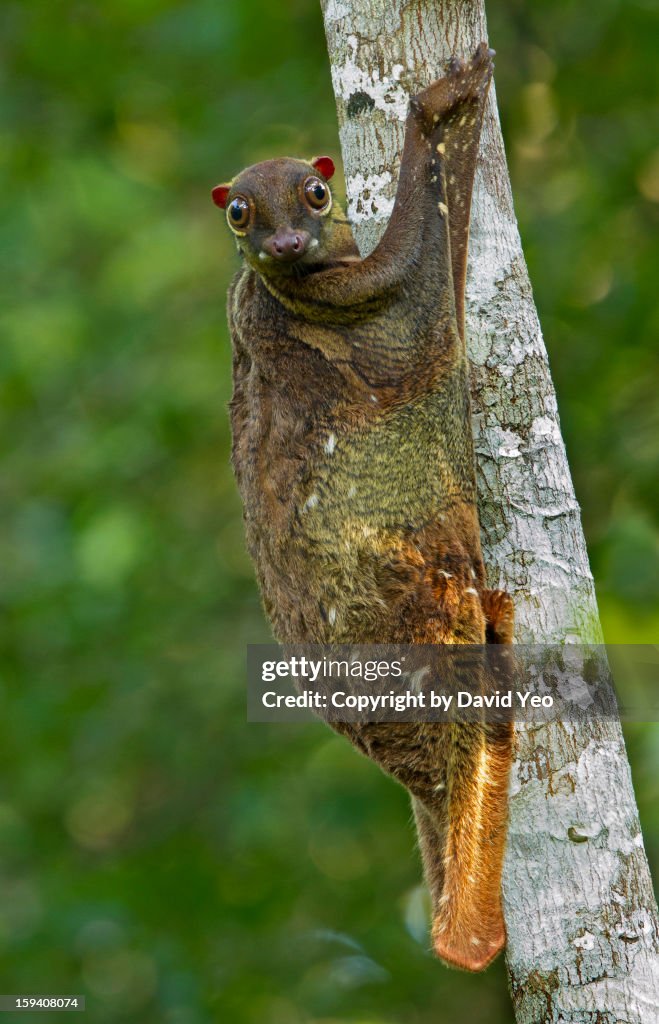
{"x":482,"y":51}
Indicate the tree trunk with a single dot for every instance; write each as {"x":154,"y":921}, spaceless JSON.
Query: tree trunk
{"x":580,"y":911}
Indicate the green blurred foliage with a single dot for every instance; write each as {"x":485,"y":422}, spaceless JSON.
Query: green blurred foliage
{"x":158,"y":854}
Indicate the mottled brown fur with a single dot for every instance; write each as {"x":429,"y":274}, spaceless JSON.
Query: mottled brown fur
{"x":353,"y":454}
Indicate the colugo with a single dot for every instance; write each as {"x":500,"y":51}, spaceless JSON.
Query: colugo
{"x":352,"y":451}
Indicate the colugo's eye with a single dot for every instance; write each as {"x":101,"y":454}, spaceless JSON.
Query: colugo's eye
{"x":238,"y":213}
{"x":316,"y":193}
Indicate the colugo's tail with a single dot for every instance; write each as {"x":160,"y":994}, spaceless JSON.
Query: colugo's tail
{"x":462,"y":838}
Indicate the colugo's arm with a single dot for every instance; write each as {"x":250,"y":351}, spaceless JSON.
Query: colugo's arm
{"x":429,"y":225}
{"x":442,"y":134}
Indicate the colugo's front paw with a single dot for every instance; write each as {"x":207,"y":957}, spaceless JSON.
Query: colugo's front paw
{"x":465,"y":82}
{"x":478,"y":69}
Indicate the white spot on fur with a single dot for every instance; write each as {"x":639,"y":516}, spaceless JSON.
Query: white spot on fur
{"x":443,"y":208}
{"x":314,"y":243}
{"x":471,"y":590}
{"x":475,"y":941}
{"x":441,"y":148}
{"x":311,"y":502}
{"x":448,"y":575}
{"x":352,"y":490}
{"x":374,"y":398}
{"x":332,"y":616}
{"x":330,"y":444}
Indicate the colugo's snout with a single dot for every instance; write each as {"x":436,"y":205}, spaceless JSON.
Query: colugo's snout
{"x":287,"y":244}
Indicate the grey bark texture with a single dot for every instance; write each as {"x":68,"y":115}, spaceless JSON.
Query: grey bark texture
{"x":580,"y":911}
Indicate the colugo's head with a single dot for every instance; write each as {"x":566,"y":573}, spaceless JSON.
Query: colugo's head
{"x":280,"y":212}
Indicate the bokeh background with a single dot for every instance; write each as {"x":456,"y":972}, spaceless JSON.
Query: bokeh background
{"x":157,"y":853}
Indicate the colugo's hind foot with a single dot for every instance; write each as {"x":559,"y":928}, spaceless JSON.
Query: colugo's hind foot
{"x":499,"y":612}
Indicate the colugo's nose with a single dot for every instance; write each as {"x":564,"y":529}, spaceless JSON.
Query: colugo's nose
{"x":287,"y":245}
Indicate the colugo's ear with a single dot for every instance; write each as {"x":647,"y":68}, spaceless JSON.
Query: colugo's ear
{"x":219,"y":194}
{"x":325,"y":165}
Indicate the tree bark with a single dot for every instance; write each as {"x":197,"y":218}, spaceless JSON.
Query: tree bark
{"x":580,"y":912}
